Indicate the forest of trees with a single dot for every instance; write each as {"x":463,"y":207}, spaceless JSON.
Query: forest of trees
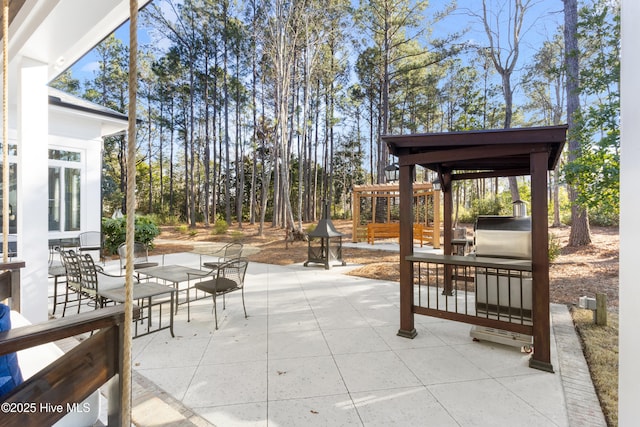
{"x":256,"y":111}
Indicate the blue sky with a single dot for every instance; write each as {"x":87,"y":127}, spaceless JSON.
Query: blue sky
{"x":544,"y":18}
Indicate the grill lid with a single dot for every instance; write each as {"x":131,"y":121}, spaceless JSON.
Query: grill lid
{"x":503,"y":237}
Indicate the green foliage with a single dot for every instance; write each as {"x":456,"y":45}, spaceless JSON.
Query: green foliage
{"x":165,"y":219}
{"x":554,"y":247}
{"x":604,"y":218}
{"x":595,"y":174}
{"x":182,"y":228}
{"x":220,"y":226}
{"x":486,"y":206}
{"x":115,"y":232}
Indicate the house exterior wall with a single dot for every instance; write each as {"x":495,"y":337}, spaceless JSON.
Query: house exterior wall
{"x":70,"y":131}
{"x":65,"y":129}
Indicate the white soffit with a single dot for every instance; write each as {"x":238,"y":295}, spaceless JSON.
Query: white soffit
{"x":60,"y":32}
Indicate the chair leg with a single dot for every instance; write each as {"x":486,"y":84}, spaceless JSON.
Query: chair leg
{"x":79,"y":301}
{"x":55,"y":295}
{"x":243,"y":306}
{"x":66,"y":301}
{"x":215,"y":309}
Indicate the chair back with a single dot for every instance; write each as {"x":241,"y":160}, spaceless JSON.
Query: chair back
{"x":232,"y":251}
{"x":88,"y":274}
{"x":90,"y":239}
{"x":140,"y":254}
{"x":71,"y":265}
{"x":234,"y":270}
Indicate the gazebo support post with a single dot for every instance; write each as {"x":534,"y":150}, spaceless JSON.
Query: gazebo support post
{"x":435,"y":198}
{"x":448,"y":227}
{"x":540,"y":263}
{"x":407,"y":328}
{"x":356,"y":216}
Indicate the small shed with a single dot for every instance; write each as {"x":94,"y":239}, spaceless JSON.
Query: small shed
{"x":470,"y":155}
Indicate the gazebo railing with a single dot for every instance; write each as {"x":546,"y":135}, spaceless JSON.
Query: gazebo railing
{"x":490,"y":292}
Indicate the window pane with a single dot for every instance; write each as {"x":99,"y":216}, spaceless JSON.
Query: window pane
{"x":70,"y":156}
{"x":72,"y":199}
{"x":55,"y":199}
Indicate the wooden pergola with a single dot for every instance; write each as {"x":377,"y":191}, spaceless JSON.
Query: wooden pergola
{"x":423,"y":196}
{"x":470,"y":155}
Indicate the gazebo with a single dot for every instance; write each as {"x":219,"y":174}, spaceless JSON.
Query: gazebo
{"x":470,"y":155}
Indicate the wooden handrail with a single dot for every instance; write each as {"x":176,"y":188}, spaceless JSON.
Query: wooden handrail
{"x":76,"y":374}
{"x":53,"y":330}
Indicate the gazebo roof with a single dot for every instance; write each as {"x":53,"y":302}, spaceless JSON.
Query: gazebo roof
{"x":501,"y":152}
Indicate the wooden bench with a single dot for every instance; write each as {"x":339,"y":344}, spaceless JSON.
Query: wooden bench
{"x":392,"y":231}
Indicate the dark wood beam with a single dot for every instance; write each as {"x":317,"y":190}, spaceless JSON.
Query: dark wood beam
{"x":490,"y":174}
{"x":479,"y":137}
{"x":472,"y":153}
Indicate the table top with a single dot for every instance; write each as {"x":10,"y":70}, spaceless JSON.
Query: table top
{"x":172,"y":273}
{"x":64,"y":242}
{"x":140,"y":290}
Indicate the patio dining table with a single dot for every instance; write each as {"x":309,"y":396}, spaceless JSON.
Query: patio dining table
{"x":145,"y":292}
{"x":174,"y":274}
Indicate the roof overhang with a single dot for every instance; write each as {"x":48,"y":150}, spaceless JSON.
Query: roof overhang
{"x":479,"y":153}
{"x":60,"y":32}
{"x":111,"y":122}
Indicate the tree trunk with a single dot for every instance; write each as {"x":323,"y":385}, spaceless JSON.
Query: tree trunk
{"x":580,"y":234}
{"x":207,"y":142}
{"x":239,"y":153}
{"x":227,"y":165}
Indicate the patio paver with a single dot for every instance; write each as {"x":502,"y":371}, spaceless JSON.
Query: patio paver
{"x":320,"y":348}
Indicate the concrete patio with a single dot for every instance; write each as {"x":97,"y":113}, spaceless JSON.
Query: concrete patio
{"x":320,"y":348}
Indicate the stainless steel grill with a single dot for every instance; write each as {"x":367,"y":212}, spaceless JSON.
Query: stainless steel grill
{"x":503,"y":293}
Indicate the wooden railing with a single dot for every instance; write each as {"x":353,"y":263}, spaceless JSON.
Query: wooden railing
{"x":489,"y":292}
{"x":75,"y":375}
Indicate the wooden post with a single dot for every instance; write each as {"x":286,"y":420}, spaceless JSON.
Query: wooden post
{"x":601,"y":309}
{"x":436,"y":218}
{"x":356,"y":215}
{"x":407,"y":328}
{"x":541,"y":358}
{"x":448,"y":226}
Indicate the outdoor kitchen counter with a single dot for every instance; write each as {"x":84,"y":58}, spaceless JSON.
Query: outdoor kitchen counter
{"x":473,"y":261}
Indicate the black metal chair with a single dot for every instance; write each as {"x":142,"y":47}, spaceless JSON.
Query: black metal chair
{"x":140,"y":256}
{"x":226,"y":278}
{"x":227,"y":252}
{"x":93,"y":279}
{"x":90,"y":241}
{"x":71,"y":266}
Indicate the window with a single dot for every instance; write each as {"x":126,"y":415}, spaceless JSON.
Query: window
{"x":65,"y":173}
